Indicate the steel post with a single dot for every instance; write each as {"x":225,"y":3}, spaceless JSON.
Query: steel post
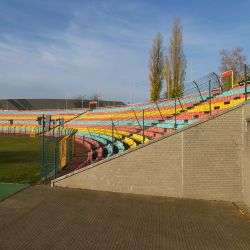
{"x":210,"y":97}
{"x":54,"y":163}
{"x":219,"y":82}
{"x":159,"y":111}
{"x":175,"y":112}
{"x":43,"y":143}
{"x":143,"y":123}
{"x":89,"y":133}
{"x":198,"y":90}
{"x":112,"y":139}
{"x":46,"y":160}
{"x":245,"y":82}
{"x":83,"y":150}
{"x":137,"y":119}
{"x":59,"y":126}
{"x":178,"y":98}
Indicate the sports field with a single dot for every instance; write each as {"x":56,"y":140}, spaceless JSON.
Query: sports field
{"x":20,"y":159}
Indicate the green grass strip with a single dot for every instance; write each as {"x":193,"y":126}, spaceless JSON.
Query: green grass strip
{"x":7,"y":189}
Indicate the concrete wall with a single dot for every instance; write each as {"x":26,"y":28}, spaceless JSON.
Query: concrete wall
{"x":204,"y":161}
{"x":41,"y":104}
{"x":246,"y":154}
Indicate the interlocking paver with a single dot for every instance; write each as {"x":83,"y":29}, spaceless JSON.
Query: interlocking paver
{"x":41,"y":217}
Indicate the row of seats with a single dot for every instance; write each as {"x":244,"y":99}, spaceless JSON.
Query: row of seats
{"x":126,"y":122}
{"x":29,"y":118}
{"x":191,"y":100}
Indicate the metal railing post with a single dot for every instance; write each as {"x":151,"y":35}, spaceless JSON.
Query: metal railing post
{"x":43,"y":143}
{"x":115,"y":127}
{"x":177,"y":98}
{"x":46,"y":160}
{"x":112,"y":140}
{"x":245,"y":82}
{"x":143,"y":123}
{"x":175,"y":112}
{"x":159,"y":111}
{"x":83,"y":153}
{"x":89,"y":133}
{"x":136,"y":118}
{"x":53,"y":130}
{"x":198,"y":90}
{"x":59,"y":126}
{"x":210,"y":97}
{"x":219,"y":82}
{"x":54,"y":163}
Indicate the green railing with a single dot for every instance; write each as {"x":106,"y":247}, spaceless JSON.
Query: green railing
{"x":52,"y":156}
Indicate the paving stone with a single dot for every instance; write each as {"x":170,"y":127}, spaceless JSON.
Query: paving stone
{"x":41,"y":217}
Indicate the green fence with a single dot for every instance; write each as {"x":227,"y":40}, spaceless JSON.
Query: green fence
{"x":57,"y":152}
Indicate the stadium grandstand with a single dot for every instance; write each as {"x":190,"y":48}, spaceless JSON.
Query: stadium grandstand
{"x":109,"y":131}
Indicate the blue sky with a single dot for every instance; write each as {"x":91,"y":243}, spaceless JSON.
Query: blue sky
{"x":51,"y":47}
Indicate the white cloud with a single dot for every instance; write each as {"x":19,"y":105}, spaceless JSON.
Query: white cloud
{"x":100,"y":45}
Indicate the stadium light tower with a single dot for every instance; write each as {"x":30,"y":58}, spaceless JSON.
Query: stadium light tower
{"x":148,"y":89}
{"x":98,"y":97}
{"x":130,"y":94}
{"x":82,"y":99}
{"x":114,"y":95}
{"x":66,"y":101}
{"x":192,"y":73}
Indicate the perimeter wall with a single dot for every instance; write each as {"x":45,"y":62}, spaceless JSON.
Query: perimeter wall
{"x":206,"y":160}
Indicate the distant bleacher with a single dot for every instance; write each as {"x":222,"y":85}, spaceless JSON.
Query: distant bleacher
{"x":45,"y":104}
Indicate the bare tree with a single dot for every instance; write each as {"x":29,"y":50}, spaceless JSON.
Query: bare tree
{"x":80,"y":97}
{"x":96,"y":96}
{"x":232,"y":60}
{"x":80,"y":101}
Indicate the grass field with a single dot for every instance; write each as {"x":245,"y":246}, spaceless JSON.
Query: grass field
{"x":20,"y":159}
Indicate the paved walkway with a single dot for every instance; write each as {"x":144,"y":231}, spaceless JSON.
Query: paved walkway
{"x":41,"y":217}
